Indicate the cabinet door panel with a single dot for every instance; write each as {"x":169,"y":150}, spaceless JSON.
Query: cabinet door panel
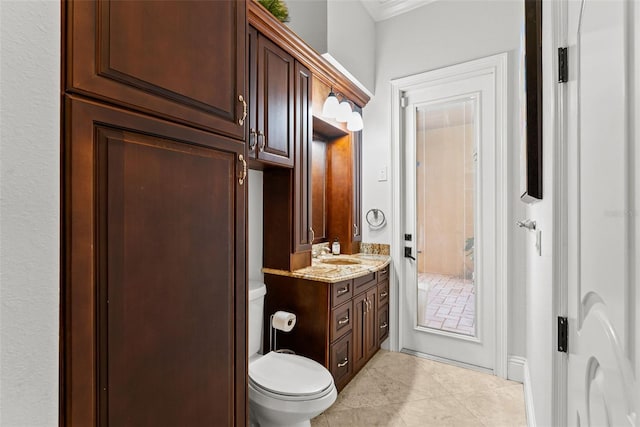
{"x":302,"y":169}
{"x":276,"y":97}
{"x":383,"y":323}
{"x":155,"y":283}
{"x":340,"y":362}
{"x":183,"y":60}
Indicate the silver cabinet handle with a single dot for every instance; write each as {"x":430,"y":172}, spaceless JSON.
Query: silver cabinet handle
{"x":244,"y":110}
{"x":263,"y":143}
{"x":344,"y":363}
{"x":343,"y":320}
{"x":383,"y":294}
{"x":313,"y":235}
{"x":383,"y":271}
{"x":355,"y":230}
{"x":384,"y":325}
{"x":343,"y":290}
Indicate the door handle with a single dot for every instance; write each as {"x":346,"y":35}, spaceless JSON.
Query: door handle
{"x":407,"y":253}
{"x":528,"y":224}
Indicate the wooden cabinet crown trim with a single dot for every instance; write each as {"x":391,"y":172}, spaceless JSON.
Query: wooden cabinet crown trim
{"x":263,"y":21}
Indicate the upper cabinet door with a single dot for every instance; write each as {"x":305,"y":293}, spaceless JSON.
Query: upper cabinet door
{"x":276,"y":103}
{"x":181,"y":60}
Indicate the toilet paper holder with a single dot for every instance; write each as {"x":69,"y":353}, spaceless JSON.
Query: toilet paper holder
{"x":273,"y":338}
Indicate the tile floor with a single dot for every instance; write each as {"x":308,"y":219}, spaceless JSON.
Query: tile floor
{"x":446,"y":303}
{"x":397,"y":389}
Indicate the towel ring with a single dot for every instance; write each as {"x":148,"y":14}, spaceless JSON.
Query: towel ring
{"x":375,"y":218}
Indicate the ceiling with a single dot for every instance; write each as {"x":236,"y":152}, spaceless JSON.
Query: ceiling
{"x":385,"y":9}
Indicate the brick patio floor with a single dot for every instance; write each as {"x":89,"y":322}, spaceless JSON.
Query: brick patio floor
{"x":446,"y":303}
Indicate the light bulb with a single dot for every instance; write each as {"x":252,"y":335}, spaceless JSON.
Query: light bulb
{"x":355,"y":123}
{"x":344,"y":112}
{"x":330,"y":107}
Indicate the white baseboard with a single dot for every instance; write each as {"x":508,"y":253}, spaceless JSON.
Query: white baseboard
{"x":515,"y":368}
{"x":528,"y":397}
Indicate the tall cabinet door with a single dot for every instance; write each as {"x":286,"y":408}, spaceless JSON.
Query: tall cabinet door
{"x":302,"y":233}
{"x":154,"y":284}
{"x":182,"y":60}
{"x":275,"y":103}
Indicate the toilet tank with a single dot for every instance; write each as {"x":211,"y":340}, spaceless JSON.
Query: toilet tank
{"x":257,"y":291}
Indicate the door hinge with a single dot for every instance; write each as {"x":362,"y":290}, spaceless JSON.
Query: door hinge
{"x":563,"y":65}
{"x":563,"y":332}
{"x":404,"y":102}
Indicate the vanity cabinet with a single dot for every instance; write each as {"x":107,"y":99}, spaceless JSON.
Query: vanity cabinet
{"x":272,"y":102}
{"x":338,"y":324}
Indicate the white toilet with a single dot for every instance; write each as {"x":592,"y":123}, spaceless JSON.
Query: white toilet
{"x":284,"y":389}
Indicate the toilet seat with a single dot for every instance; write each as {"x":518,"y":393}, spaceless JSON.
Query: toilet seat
{"x":290,"y":377}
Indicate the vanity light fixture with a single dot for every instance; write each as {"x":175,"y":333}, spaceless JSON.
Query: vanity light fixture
{"x":342,"y":112}
{"x":355,"y":123}
{"x":330,"y":107}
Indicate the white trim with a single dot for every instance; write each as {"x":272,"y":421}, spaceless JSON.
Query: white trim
{"x":559,"y":37}
{"x":528,"y":397}
{"x":515,"y":371}
{"x":346,"y":73}
{"x":385,"y":9}
{"x":447,"y":361}
{"x":498,"y":64}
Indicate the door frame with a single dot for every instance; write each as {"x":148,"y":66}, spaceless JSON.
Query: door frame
{"x":554,"y":112}
{"x":497,"y":64}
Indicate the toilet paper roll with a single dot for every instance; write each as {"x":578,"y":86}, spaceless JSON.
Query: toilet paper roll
{"x":283,"y":321}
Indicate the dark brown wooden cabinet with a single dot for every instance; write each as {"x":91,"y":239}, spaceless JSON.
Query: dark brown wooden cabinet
{"x":181,"y":60}
{"x":365,"y":327}
{"x":153,"y":291}
{"x":272,"y":76}
{"x":338,"y":323}
{"x":153,"y":282}
{"x":302,"y":191}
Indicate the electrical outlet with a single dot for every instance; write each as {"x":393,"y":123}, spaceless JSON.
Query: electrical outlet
{"x":382,"y":174}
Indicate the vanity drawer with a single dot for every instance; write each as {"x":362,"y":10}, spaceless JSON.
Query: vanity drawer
{"x":341,"y":292}
{"x":363,"y":283}
{"x":341,"y":320}
{"x":383,"y":293}
{"x":340,"y":364}
{"x":383,"y":323}
{"x":383,"y":274}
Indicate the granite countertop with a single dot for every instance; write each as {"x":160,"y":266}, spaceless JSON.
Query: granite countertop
{"x":332,"y":273}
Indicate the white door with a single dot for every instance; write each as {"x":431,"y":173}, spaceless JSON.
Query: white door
{"x":603,"y":211}
{"x":448,"y":309}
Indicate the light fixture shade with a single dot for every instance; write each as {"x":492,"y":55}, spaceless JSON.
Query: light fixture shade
{"x":330,"y":107}
{"x":355,"y":123}
{"x":344,"y":112}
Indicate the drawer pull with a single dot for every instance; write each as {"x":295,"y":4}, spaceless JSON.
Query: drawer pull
{"x":344,"y":363}
{"x":343,"y":290}
{"x":383,"y":294}
{"x":383,"y":271}
{"x":384,"y":325}
{"x":343,"y":320}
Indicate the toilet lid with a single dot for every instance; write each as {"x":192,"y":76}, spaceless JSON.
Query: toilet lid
{"x":289,"y":375}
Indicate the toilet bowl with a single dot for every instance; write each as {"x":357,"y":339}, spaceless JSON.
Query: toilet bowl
{"x":285,"y":390}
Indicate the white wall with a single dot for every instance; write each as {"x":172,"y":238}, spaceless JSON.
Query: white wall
{"x":341,"y":28}
{"x":255,"y":225}
{"x":351,"y":39}
{"x":29,"y":212}
{"x":433,"y":36}
{"x":308,"y":19}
